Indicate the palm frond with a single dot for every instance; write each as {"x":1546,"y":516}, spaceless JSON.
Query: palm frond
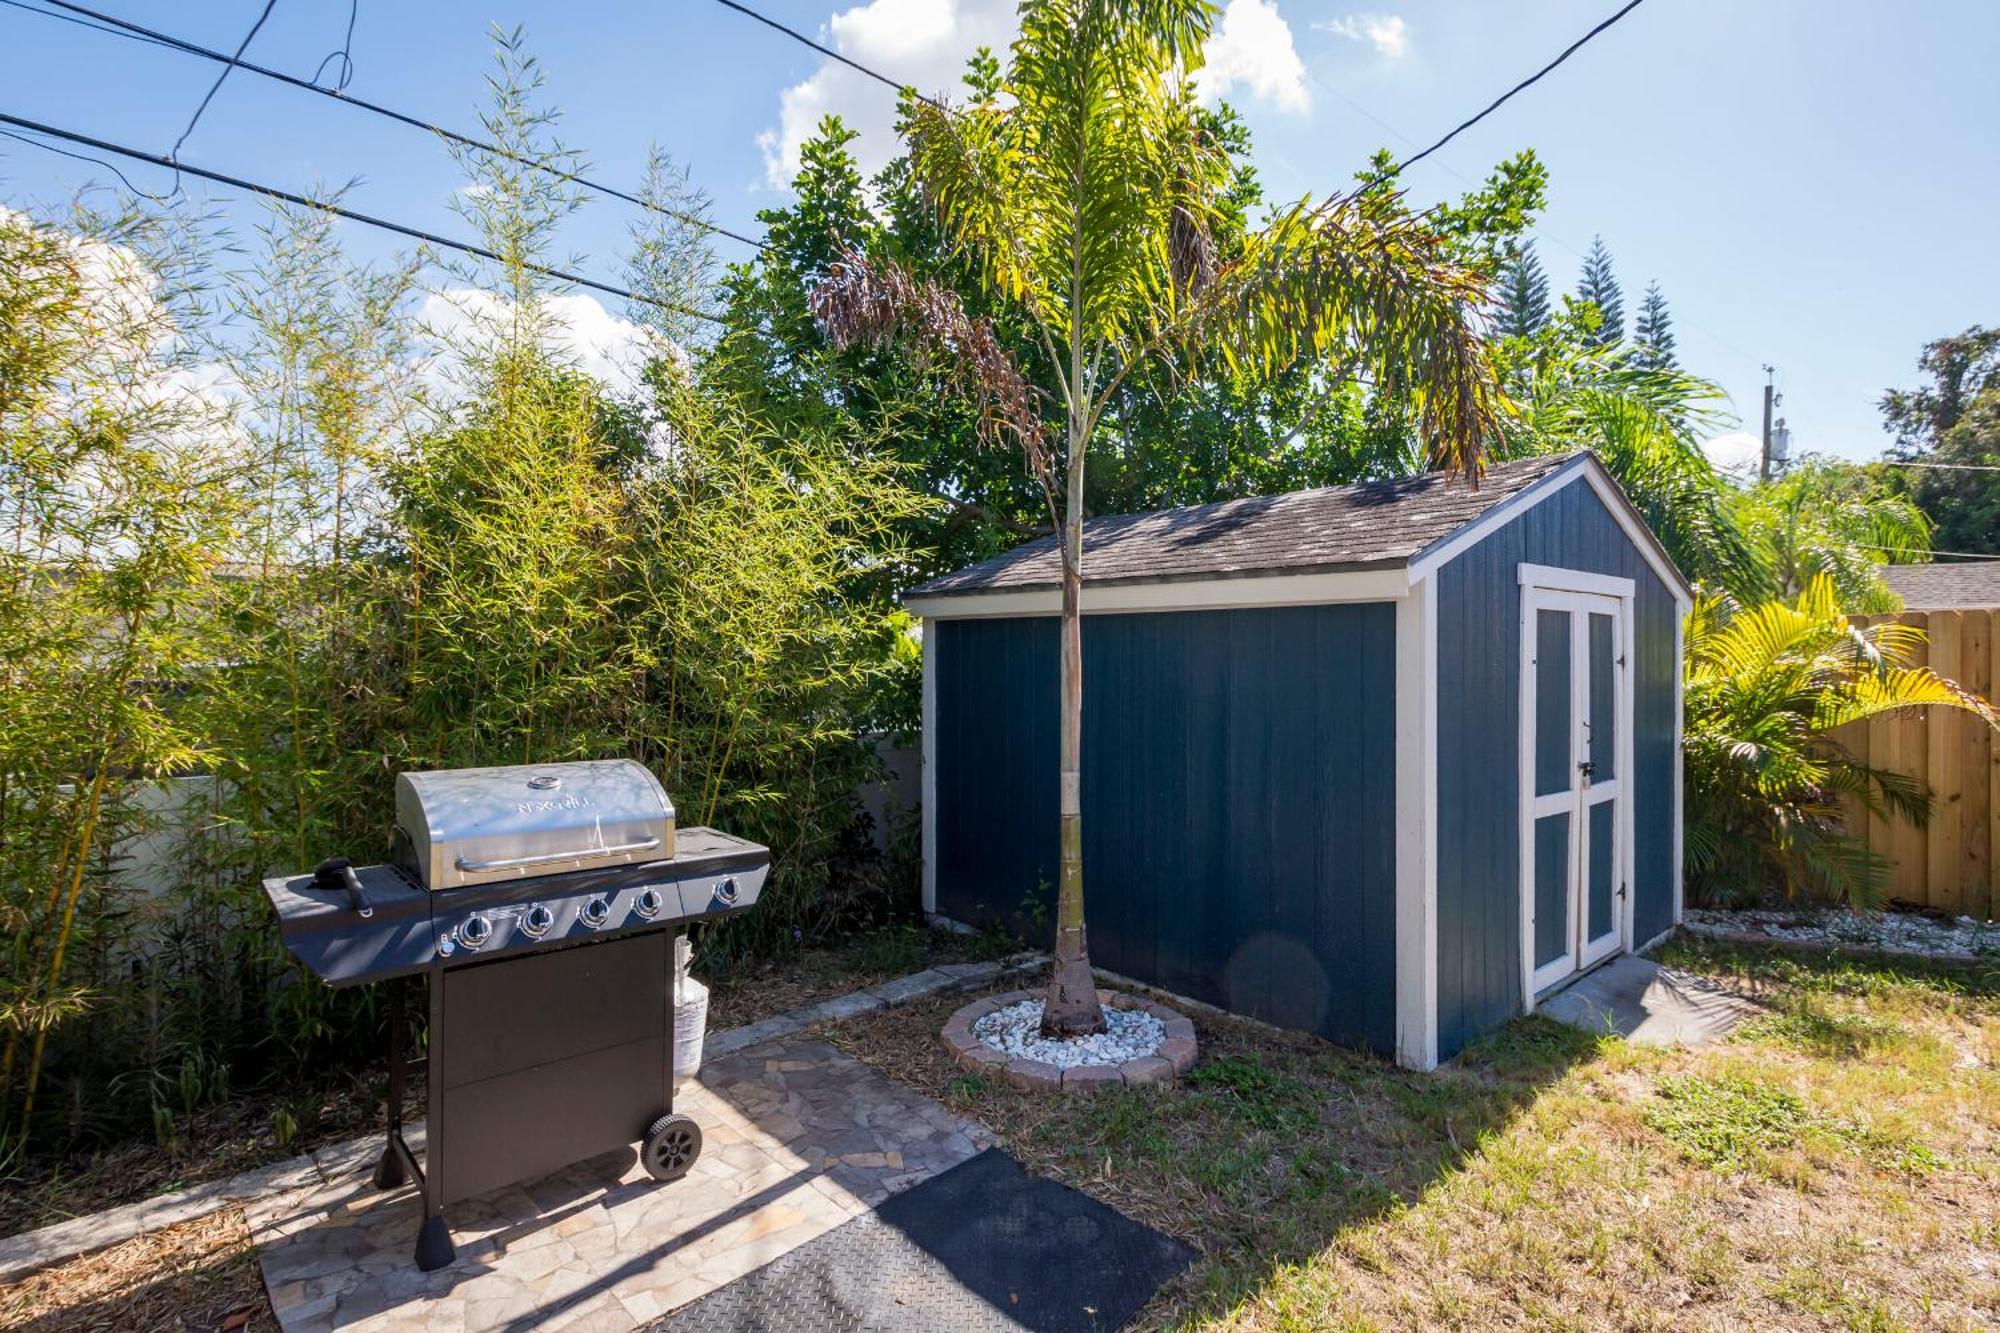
{"x":1359,"y":280}
{"x":1767,"y":780}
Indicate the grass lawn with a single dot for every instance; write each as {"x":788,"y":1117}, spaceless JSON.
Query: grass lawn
{"x":1835,"y":1165}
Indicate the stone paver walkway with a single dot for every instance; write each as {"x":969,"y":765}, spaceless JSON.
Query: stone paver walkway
{"x":798,"y":1138}
{"x":1644,"y":1002}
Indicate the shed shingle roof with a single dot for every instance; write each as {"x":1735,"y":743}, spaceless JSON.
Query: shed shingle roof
{"x":1373,"y":524}
{"x":1969,"y":585}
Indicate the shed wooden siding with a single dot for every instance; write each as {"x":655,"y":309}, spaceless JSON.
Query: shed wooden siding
{"x":1238,"y":800}
{"x":1479,"y":670}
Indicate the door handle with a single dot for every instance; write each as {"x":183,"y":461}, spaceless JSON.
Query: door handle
{"x":1585,"y":767}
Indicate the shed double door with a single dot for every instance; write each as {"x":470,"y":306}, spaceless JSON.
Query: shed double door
{"x":1575,"y":702}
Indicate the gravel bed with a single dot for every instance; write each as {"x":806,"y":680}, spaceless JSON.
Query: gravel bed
{"x":1016,"y":1032}
{"x":1907,"y":932}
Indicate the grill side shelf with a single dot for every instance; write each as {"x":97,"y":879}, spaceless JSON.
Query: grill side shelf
{"x":321,"y":929}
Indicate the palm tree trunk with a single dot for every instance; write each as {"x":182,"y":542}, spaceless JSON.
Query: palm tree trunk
{"x":1071,"y":1008}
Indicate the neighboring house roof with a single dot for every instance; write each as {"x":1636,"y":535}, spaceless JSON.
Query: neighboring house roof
{"x":1370,"y":525}
{"x":1954,"y":586}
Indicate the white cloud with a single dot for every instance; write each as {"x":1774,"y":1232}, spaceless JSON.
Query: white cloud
{"x":928,"y":42}
{"x":1252,"y":48}
{"x":580,"y":332}
{"x":924,"y":41}
{"x":1736,"y":453}
{"x":1387,"y":33}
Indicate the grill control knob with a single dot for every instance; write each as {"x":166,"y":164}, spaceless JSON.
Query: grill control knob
{"x":649,"y":903}
{"x":474,"y":931}
{"x":725,"y":892}
{"x":595,"y":913}
{"x":535,"y":922}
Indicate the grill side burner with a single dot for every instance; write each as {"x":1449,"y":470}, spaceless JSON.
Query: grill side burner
{"x":550,"y":993}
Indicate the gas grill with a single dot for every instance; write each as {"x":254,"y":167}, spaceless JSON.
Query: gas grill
{"x":540,"y":905}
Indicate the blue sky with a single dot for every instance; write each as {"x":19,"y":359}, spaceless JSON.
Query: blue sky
{"x":1814,"y":185}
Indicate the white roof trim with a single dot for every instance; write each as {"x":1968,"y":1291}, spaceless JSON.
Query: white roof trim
{"x":1584,"y":466}
{"x":1354,"y":585}
{"x":1576,"y":580}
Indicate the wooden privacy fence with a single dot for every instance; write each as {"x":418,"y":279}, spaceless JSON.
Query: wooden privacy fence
{"x":1952,"y":864}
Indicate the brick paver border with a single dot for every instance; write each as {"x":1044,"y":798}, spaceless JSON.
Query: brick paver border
{"x":1174,"y":1058}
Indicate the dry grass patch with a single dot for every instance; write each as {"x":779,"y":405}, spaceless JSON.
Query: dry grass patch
{"x":200,"y":1275}
{"x":1835,"y":1166}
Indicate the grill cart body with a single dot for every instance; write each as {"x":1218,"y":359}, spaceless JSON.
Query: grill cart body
{"x":540,"y":906}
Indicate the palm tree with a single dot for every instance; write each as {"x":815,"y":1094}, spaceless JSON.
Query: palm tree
{"x":1647,"y":427}
{"x":1821,"y":517}
{"x":1081,"y":190}
{"x":1766,"y":779}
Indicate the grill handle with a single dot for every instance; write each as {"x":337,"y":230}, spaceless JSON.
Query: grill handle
{"x":338,"y":872}
{"x":546,"y":858}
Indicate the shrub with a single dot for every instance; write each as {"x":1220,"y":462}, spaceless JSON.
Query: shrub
{"x":1767,"y":780}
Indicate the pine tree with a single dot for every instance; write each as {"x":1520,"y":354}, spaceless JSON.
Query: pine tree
{"x":1654,"y":331}
{"x":1600,"y":287}
{"x":1522,"y":307}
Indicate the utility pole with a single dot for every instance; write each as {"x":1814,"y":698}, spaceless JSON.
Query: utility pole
{"x":1764,"y":468}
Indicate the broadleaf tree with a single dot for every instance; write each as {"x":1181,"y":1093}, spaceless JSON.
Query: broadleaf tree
{"x":1081,"y":188}
{"x":1952,"y":427}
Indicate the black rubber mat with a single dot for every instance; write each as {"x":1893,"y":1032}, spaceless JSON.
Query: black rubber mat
{"x":983,"y":1246}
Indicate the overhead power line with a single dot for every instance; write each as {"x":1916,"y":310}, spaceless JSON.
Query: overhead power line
{"x":1495,"y":104}
{"x":1956,"y":555}
{"x":82,"y":22}
{"x":1941,"y":467}
{"x":401,"y":229}
{"x":826,"y":51}
{"x":345,"y":55}
{"x":111,"y":167}
{"x":216,"y":87}
{"x":112,"y":24}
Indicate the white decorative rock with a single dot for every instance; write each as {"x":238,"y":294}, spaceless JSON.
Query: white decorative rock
{"x":1016,"y":1032}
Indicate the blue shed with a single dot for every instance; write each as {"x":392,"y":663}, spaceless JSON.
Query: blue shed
{"x":1384,"y":762}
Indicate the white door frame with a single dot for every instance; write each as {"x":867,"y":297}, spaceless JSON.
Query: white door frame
{"x":1547,"y":588}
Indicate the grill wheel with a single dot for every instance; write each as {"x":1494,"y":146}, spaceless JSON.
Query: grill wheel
{"x":670,"y":1146}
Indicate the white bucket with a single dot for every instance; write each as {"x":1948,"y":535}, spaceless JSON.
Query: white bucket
{"x":690,"y":1022}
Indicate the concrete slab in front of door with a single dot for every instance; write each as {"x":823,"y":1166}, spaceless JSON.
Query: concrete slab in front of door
{"x":1640,"y":1000}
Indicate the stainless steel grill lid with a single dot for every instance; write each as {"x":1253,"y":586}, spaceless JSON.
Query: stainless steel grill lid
{"x":482,"y":825}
